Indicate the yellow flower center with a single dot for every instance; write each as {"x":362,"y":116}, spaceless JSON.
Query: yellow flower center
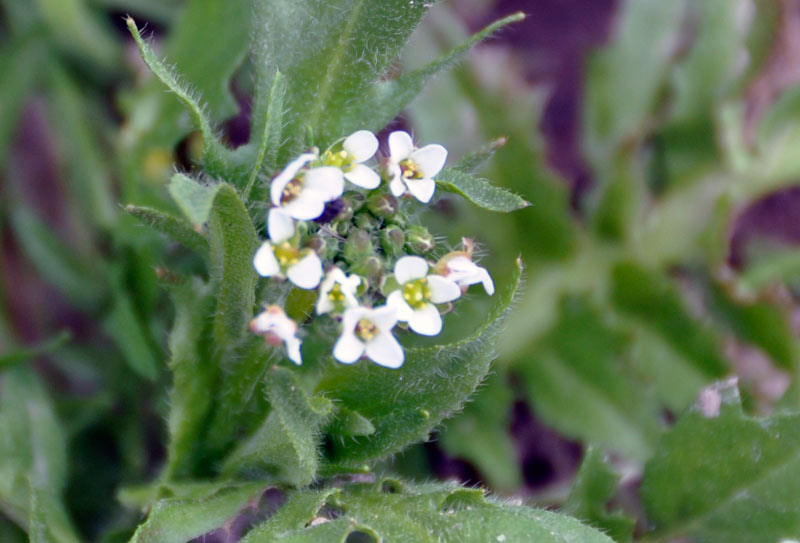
{"x":286,"y":254}
{"x":341,"y":159}
{"x":366,"y":330}
{"x":337,"y":297}
{"x":417,"y":293}
{"x":410,"y":169}
{"x":292,"y":190}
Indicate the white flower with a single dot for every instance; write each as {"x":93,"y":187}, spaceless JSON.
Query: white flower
{"x":418,"y":293}
{"x":301,"y":193}
{"x":356,"y":149}
{"x":277,"y":328}
{"x":369,"y":331}
{"x":337,"y":292}
{"x":459,"y":268}
{"x":302,"y":267}
{"x":414,"y":169}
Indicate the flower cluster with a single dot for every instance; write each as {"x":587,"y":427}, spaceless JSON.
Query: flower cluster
{"x":341,"y":227}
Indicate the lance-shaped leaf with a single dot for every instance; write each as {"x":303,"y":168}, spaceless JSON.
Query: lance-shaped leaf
{"x":49,"y":521}
{"x":174,"y":228}
{"x":432,"y":513}
{"x":480,"y":191}
{"x":720,"y":475}
{"x":386,"y":99}
{"x":286,"y":445}
{"x":15,"y":356}
{"x":194,"y":198}
{"x":404,"y":405}
{"x":271,"y":130}
{"x":124,"y":326}
{"x":300,"y":508}
{"x":331,"y":52}
{"x":194,"y":375}
{"x":179,"y":520}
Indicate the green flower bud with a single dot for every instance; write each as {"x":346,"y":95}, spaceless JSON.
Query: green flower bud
{"x":382,"y":205}
{"x":370,"y":267}
{"x":342,"y":228}
{"x":419,"y":240}
{"x":393,"y":239}
{"x":358,"y":246}
{"x":355,"y":199}
{"x":346,"y":212}
{"x":367,"y":222}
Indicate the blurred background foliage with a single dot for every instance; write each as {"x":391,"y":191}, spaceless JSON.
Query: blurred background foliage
{"x":656,"y":140}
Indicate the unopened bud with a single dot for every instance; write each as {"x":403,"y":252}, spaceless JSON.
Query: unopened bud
{"x":342,"y":228}
{"x":370,"y":267}
{"x":382,"y":205}
{"x":393,"y":239}
{"x":419,"y":240}
{"x":358,"y":246}
{"x":367,"y":222}
{"x":318,"y":244}
{"x":346,"y":212}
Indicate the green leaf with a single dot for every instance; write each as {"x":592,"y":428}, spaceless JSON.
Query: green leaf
{"x":179,"y":520}
{"x":15,"y":356}
{"x":595,"y":484}
{"x":194,"y":198}
{"x":271,"y":132}
{"x":32,"y":445}
{"x":194,"y":377}
{"x":285,"y":446}
{"x":649,"y":297}
{"x":299,"y":509}
{"x":331,"y":53}
{"x":480,"y":191}
{"x":386,"y":99}
{"x":720,"y":475}
{"x":432,"y":513}
{"x":585,"y":357}
{"x":124,"y":326}
{"x":174,"y":228}
{"x":233,"y":243}
{"x":49,"y":521}
{"x":348,"y":423}
{"x":471,"y":162}
{"x":404,"y":405}
{"x":214,"y":152}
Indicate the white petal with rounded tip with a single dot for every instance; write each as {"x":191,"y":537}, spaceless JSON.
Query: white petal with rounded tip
{"x":288,"y":173}
{"x":384,"y":317}
{"x":421,"y":189}
{"x":352,"y":316}
{"x":403,"y":311}
{"x":409,"y":268}
{"x":348,"y":348}
{"x":385,"y":351}
{"x":486,"y":280}
{"x":363,"y":176}
{"x":324,"y":304}
{"x":280,"y":225}
{"x":397,"y":186}
{"x":307,"y":272}
{"x":400,"y":146}
{"x":308,"y":206}
{"x":362,"y":145}
{"x":430,"y":159}
{"x":426,"y":321}
{"x":327,"y":181}
{"x":443,"y":289}
{"x":265,"y":262}
{"x":293,"y":350}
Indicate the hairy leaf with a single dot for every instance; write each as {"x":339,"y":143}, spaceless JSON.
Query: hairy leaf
{"x":720,"y":475}
{"x":271,"y":132}
{"x":173,"y":227}
{"x":300,"y":508}
{"x":404,"y":405}
{"x":480,"y":191}
{"x":194,"y":198}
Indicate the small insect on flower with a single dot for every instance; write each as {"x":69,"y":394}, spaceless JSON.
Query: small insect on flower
{"x":337,"y":292}
{"x":303,"y":267}
{"x":418,"y":293}
{"x":413,"y":169}
{"x":300,"y":192}
{"x":356,"y":149}
{"x":459,"y":268}
{"x":369,"y":331}
{"x":277,"y":328}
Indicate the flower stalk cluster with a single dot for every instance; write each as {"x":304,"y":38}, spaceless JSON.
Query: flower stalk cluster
{"x":341,"y":227}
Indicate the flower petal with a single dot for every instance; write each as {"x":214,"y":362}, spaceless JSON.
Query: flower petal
{"x":264,"y":261}
{"x":409,"y":268}
{"x":280,"y":225}
{"x":426,"y":321}
{"x":430,"y":159}
{"x":348,"y":348}
{"x":293,"y":350}
{"x":422,"y":189}
{"x":324,"y":304}
{"x":288,"y":173}
{"x":362,"y":145}
{"x":385,"y":351}
{"x":327,"y":181}
{"x":307,"y":272}
{"x":397,"y":186}
{"x":400,"y":146}
{"x":363,"y":176}
{"x":352,"y":316}
{"x":384,"y":317}
{"x":486,"y":280}
{"x":307,"y":206}
{"x":443,"y":289}
{"x":403,"y":311}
